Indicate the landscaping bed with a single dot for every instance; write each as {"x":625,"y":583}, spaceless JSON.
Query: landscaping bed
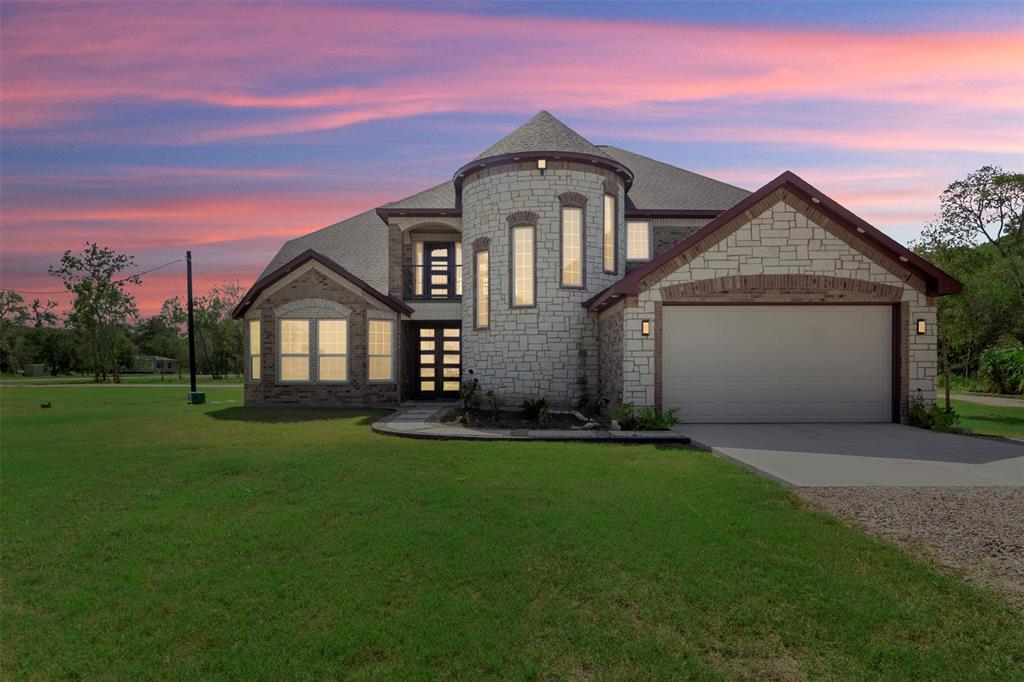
{"x":513,"y":419}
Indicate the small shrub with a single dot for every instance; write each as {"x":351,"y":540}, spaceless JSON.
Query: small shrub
{"x":544,"y":417}
{"x":934,"y":417}
{"x":467,"y":391}
{"x":649,"y":418}
{"x":532,"y":408}
{"x":593,"y":406}
{"x":492,"y":404}
{"x":1002,"y":368}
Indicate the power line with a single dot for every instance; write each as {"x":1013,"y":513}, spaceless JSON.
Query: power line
{"x":117,"y":281}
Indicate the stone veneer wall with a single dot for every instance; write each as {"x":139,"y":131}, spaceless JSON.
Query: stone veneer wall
{"x":610,"y":339}
{"x":550,"y":350}
{"x":312,"y":283}
{"x":782,"y":240}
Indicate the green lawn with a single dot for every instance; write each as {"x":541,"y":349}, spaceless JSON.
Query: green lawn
{"x":145,"y":538}
{"x":989,"y":420}
{"x":170,"y":379}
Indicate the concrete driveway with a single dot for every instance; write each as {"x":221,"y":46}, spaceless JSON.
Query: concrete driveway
{"x":862,"y":454}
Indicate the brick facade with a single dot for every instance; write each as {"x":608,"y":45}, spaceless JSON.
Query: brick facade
{"x":610,"y":348}
{"x":308,"y":285}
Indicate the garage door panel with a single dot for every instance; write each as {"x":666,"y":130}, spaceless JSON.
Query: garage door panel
{"x":777,"y":363}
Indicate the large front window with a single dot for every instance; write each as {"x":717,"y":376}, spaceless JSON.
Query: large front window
{"x":523,"y":294}
{"x":609,"y":233}
{"x":483,"y":289}
{"x":332,"y":350}
{"x":638,"y":241}
{"x":572,"y":247}
{"x":295,"y":350}
{"x":381,"y":350}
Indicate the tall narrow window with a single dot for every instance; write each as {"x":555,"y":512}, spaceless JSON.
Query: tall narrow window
{"x":522,"y":266}
{"x":483,"y":289}
{"x":418,"y":271}
{"x":638,"y":241}
{"x":381,"y":351}
{"x":332,"y":350}
{"x":254,"y":350}
{"x":294,"y":350}
{"x":458,"y":268}
{"x":609,"y":233}
{"x":572,"y":246}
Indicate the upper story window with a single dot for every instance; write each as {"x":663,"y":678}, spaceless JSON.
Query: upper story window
{"x":380,"y":350}
{"x":609,"y":240}
{"x":638,"y":240}
{"x":572,"y":246}
{"x":436,"y":272}
{"x":254,"y":350}
{"x":482,"y":272}
{"x":294,"y":348}
{"x":523,"y":264}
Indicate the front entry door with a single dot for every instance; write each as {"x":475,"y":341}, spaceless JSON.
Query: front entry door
{"x":438,"y":360}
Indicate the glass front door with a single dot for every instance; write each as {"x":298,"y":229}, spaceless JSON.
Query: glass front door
{"x":438,"y":360}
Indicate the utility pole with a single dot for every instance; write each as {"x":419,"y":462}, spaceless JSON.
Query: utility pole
{"x":193,"y":396}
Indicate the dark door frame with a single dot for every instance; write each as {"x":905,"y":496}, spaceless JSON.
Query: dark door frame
{"x":428,"y":269}
{"x":438,"y":361}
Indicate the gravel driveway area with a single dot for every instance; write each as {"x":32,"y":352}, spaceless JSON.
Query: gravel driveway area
{"x":978,"y":531}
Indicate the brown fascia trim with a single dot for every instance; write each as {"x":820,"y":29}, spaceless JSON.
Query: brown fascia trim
{"x":938,"y":283}
{"x":308,"y":255}
{"x":670,"y":213}
{"x":386,"y":212}
{"x":479,"y":164}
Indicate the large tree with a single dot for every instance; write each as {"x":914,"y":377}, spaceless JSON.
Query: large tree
{"x":13,"y":315}
{"x":102,"y":308}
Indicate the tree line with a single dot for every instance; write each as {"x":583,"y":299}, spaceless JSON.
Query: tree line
{"x":102,"y":332}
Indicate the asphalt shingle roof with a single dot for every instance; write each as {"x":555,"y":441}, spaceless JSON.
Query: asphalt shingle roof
{"x":358,"y":244}
{"x":661,"y":186}
{"x":438,"y":196}
{"x":542,"y":133}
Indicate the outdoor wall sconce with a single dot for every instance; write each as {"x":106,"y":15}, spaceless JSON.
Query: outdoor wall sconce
{"x":922,"y":327}
{"x":645,"y":328}
{"x":542,"y":164}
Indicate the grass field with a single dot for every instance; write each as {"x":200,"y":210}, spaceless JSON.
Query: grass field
{"x":170,"y":379}
{"x":143,"y":538}
{"x":989,"y":420}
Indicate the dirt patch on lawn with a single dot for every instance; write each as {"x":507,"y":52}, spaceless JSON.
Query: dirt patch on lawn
{"x":978,"y":531}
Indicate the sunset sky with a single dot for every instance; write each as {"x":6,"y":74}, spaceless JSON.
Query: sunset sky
{"x":229,"y":128}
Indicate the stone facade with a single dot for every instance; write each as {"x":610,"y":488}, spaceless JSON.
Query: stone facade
{"x":788,"y":253}
{"x":610,"y":339}
{"x":313,"y":292}
{"x":551,"y":349}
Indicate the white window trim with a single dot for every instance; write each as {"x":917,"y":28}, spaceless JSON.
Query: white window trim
{"x":650,"y":241}
{"x":394,"y":350}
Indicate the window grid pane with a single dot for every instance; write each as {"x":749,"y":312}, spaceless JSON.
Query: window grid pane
{"x":572,"y":247}
{"x":483,"y":289}
{"x":380,"y":360}
{"x":333,"y":368}
{"x":638,"y":241}
{"x":295,"y":367}
{"x":254,"y":350}
{"x":295,"y":337}
{"x":609,"y":233}
{"x":523,"y":259}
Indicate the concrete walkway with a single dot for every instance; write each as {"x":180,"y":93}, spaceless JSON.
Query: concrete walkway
{"x":862,"y":454}
{"x":991,"y":400}
{"x":420,"y":420}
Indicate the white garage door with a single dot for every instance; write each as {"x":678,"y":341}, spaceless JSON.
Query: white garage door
{"x":778,"y":363}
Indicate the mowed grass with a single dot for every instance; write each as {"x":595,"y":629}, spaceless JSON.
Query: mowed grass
{"x":143,"y":538}
{"x":989,"y":420}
